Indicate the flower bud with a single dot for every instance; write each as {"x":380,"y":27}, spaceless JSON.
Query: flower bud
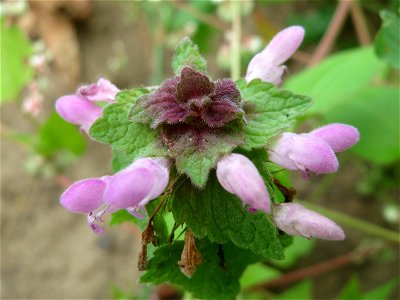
{"x":103,"y":90}
{"x":267,"y":65}
{"x":238,"y":175}
{"x":339,"y":136}
{"x":303,"y":152}
{"x":142,"y":181}
{"x":84,"y":196}
{"x":77,"y":110}
{"x":295,"y":219}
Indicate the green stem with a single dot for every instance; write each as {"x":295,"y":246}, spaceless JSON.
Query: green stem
{"x":236,"y":37}
{"x":354,"y":222}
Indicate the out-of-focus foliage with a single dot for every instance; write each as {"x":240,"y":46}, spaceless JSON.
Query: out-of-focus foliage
{"x":387,"y":40}
{"x":299,"y":248}
{"x":177,"y":23}
{"x":375,"y":112}
{"x":346,"y":88}
{"x":352,"y":290}
{"x":256,"y":274}
{"x":301,"y":291}
{"x":259,"y":272}
{"x":314,"y":22}
{"x":56,"y":134}
{"x":122,"y":216}
{"x":15,"y":69}
{"x":338,"y":76}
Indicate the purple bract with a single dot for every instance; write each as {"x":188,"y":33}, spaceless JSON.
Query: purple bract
{"x":190,"y":110}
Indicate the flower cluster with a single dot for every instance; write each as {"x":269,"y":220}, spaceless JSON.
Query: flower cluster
{"x":131,"y":189}
{"x":313,"y":151}
{"x":189,"y":111}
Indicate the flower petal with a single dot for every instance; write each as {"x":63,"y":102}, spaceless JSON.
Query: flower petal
{"x":96,"y":228}
{"x":193,"y":85}
{"x":339,"y":136}
{"x":78,"y":110}
{"x":142,"y":181}
{"x":239,"y":176}
{"x":268,"y":72}
{"x":295,"y":219}
{"x":303,"y":152}
{"x":266,"y":65}
{"x":284,"y":44}
{"x":103,"y":90}
{"x":84,"y":196}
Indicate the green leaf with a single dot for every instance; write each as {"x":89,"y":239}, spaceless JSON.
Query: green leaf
{"x":15,"y":68}
{"x":133,"y":139}
{"x":256,"y":274}
{"x":55,"y":134}
{"x":387,"y":40}
{"x":299,"y":248}
{"x":351,"y":290}
{"x":215,"y":278}
{"x":119,"y":160}
{"x":339,"y":77}
{"x":375,"y":112}
{"x":119,"y":294}
{"x":301,"y":291}
{"x":220,"y":216}
{"x":383,"y":291}
{"x":122,"y":216}
{"x":197,"y":166}
{"x":197,"y":163}
{"x":187,"y":55}
{"x":268,"y":110}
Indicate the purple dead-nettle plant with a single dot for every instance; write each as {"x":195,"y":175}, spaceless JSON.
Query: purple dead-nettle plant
{"x":197,"y":147}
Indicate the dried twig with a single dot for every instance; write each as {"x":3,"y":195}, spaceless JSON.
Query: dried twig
{"x":331,"y":34}
{"x":360,"y":24}
{"x":148,"y":234}
{"x":319,"y":268}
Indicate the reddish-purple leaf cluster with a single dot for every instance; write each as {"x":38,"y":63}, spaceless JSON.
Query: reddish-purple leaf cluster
{"x":191,"y":111}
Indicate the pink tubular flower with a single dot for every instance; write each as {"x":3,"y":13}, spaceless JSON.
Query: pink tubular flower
{"x":86,"y":196}
{"x":267,"y":65}
{"x":144,"y":180}
{"x":81,"y":109}
{"x":239,"y":176}
{"x":303,"y":152}
{"x":314,"y":151}
{"x":78,"y":111}
{"x":295,"y":219}
{"x":131,"y":189}
{"x":339,"y":136}
{"x":103,"y":90}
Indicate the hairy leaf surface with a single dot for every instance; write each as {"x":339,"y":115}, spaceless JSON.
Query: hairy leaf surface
{"x":216,"y":278}
{"x":220,"y":216}
{"x":269,"y":111}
